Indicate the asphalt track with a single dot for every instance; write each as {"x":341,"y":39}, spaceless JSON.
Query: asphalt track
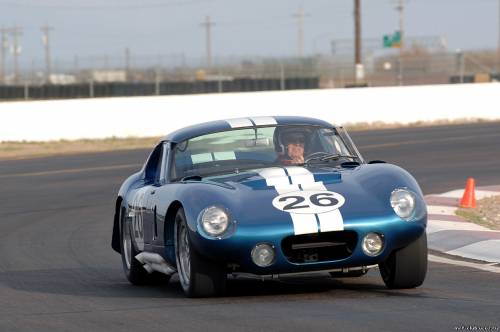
{"x":58,"y":272}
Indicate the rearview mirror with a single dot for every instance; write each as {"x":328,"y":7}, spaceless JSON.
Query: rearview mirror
{"x":257,"y":142}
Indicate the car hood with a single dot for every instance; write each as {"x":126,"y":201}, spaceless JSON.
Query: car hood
{"x":366,"y":189}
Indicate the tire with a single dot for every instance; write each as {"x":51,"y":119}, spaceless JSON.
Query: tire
{"x":198,"y":276}
{"x":133,"y":269}
{"x":406,"y":267}
{"x":350,"y":274}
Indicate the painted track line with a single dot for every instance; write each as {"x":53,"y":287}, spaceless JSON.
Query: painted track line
{"x":71,"y":171}
{"x":484,"y":267}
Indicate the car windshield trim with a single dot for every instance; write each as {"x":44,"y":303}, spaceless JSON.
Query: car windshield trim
{"x":228,"y":151}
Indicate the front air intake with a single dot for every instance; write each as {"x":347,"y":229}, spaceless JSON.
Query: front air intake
{"x":319,"y":247}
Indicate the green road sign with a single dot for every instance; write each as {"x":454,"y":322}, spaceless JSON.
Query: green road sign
{"x":392,"y":41}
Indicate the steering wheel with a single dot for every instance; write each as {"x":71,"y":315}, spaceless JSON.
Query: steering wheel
{"x":315,"y":155}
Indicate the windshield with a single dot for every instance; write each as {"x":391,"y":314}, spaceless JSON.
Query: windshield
{"x":240,"y":149}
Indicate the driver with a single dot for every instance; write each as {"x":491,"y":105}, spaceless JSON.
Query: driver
{"x":293,"y":143}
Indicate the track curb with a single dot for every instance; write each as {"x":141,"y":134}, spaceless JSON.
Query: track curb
{"x":453,"y":235}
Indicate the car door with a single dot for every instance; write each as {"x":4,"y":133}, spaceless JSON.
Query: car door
{"x":151,"y":201}
{"x":152,"y":172}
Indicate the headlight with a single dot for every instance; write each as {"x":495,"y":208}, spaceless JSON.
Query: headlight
{"x":214,"y":221}
{"x":263,"y":254}
{"x":403,"y":203}
{"x":373,"y":244}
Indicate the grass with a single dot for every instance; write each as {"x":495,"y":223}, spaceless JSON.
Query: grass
{"x":487,"y":213}
{"x":472,"y":216}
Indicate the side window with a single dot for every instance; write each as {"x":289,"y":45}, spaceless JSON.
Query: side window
{"x":163,"y":167}
{"x":153,"y":167}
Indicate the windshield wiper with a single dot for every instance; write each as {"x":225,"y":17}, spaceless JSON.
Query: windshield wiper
{"x":328,"y":157}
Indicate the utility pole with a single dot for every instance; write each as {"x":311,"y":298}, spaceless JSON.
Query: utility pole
{"x":16,"y":50}
{"x":46,"y":43}
{"x":3,"y":48}
{"x":208,"y":24}
{"x":400,"y":8}
{"x":127,"y":63}
{"x":300,"y":31}
{"x":359,"y":70}
{"x":76,"y":65}
{"x":498,"y":66}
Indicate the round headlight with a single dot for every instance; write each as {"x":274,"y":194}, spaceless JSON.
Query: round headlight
{"x":263,"y":254}
{"x":214,"y":221}
{"x":403,"y":203}
{"x":373,"y":244}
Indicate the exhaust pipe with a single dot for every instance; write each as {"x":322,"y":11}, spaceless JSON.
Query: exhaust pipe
{"x":154,"y":262}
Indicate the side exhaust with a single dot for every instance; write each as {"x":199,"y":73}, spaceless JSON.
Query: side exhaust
{"x":154,"y":262}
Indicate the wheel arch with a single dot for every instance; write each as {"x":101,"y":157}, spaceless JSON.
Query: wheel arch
{"x":115,"y":239}
{"x":170,"y":221}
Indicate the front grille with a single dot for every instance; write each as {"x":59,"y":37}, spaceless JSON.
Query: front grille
{"x":319,"y":247}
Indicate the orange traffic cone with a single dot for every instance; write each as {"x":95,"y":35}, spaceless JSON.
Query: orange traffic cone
{"x":469,"y":198}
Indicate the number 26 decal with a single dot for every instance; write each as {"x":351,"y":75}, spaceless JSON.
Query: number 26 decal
{"x":309,"y":202}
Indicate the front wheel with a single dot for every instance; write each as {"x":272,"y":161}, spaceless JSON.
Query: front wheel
{"x":406,"y":267}
{"x":198,"y":276}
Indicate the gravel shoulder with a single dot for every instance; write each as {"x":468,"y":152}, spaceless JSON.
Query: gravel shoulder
{"x":487,"y":213}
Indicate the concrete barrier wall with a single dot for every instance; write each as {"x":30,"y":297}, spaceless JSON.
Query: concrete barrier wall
{"x":156,"y":116}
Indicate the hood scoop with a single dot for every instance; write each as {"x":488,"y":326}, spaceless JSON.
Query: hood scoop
{"x":350,"y":164}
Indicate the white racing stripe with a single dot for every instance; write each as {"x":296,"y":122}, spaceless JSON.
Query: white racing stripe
{"x":264,"y":120}
{"x":240,"y":122}
{"x":331,"y":221}
{"x":328,"y":221}
{"x":250,"y":122}
{"x":304,"y":223}
{"x":302,"y":179}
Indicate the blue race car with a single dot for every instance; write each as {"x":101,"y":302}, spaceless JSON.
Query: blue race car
{"x":267,"y":196}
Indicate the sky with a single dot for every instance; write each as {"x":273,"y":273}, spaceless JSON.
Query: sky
{"x":242,"y":28}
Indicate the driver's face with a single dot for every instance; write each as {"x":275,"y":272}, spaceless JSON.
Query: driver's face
{"x":296,"y":151}
{"x":295,"y":147}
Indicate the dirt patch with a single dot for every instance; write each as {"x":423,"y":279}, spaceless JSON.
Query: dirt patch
{"x":24,"y":150}
{"x":487,"y":213}
{"x":384,"y":125}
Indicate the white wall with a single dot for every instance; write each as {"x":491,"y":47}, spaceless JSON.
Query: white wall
{"x":156,"y":116}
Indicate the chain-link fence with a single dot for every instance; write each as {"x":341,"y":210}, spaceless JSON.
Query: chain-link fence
{"x":177,"y":74}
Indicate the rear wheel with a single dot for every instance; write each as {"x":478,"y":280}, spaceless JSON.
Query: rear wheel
{"x":133,"y":269}
{"x":406,"y":267}
{"x":198,"y":276}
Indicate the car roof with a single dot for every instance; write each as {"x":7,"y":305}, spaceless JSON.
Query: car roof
{"x":250,"y":122}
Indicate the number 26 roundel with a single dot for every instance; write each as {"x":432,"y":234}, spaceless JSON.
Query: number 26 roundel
{"x":308,"y":202}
